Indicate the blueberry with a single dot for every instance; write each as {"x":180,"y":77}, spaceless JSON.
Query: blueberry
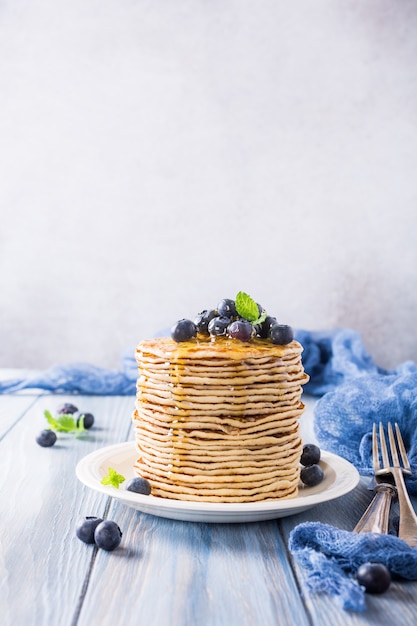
{"x":240,"y":329}
{"x":256,"y":330}
{"x":227,"y":308}
{"x":183,"y":330}
{"x":107,"y":535}
{"x":67,"y":409}
{"x":218,"y":326}
{"x":139,"y":485}
{"x":86,"y":527}
{"x":281,"y":334}
{"x":310,"y":454}
{"x":203,"y":319}
{"x":312,"y":475}
{"x":88,"y":419}
{"x":46,"y":438}
{"x":266,"y":325}
{"x":375,"y":577}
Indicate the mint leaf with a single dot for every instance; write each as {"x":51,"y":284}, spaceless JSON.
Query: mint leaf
{"x":261,"y":318}
{"x":248,"y":309}
{"x":64,"y":423}
{"x":246,"y":306}
{"x":113,"y":478}
{"x":51,"y":420}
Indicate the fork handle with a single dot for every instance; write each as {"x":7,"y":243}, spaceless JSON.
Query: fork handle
{"x":376,"y":517}
{"x":408,"y":520}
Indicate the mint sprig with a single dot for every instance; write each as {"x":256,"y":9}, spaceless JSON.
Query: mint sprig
{"x":248,"y":309}
{"x":64,"y":423}
{"x":112,"y":479}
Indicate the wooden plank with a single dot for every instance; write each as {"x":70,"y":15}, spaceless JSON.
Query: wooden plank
{"x":396,"y":606}
{"x":43,"y":565}
{"x":12,"y":409}
{"x":185,"y":573}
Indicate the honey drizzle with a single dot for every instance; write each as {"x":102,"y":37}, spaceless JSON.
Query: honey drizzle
{"x":176,"y":431}
{"x":178,"y":362}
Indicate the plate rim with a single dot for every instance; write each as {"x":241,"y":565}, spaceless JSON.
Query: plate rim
{"x":87,"y":470}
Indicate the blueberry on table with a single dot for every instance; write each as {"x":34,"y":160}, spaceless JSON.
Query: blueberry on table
{"x":240,"y":329}
{"x":183,"y":330}
{"x":312,"y":475}
{"x":46,"y":438}
{"x":218,"y":326}
{"x":139,"y":485}
{"x":281,"y":334}
{"x":67,"y":409}
{"x":375,"y":577}
{"x":107,"y":535}
{"x":88,"y":419}
{"x":227,"y":308}
{"x":310,"y":454}
{"x":203,"y":319}
{"x":86,"y":527}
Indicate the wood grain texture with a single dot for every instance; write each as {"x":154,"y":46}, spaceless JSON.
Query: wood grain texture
{"x":12,"y":409}
{"x":183,"y":574}
{"x":43,"y":565}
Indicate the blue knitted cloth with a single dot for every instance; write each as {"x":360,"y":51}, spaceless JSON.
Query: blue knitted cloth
{"x":355,"y":393}
{"x":343,"y":418}
{"x":334,"y":357}
{"x":81,"y":378}
{"x":332,"y":556}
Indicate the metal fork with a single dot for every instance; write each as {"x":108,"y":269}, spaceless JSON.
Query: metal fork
{"x":376,"y":517}
{"x":408,"y":519}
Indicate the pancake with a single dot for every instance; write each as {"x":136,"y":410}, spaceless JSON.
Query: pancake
{"x":217,"y":420}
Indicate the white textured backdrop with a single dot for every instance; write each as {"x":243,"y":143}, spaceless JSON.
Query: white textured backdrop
{"x":156,"y":156}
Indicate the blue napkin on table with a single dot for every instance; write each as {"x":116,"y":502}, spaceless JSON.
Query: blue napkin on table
{"x":332,"y":556}
{"x":355,"y":394}
{"x":81,"y":378}
{"x":343,"y":418}
{"x":331,"y":358}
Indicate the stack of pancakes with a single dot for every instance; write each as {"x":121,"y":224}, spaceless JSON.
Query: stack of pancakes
{"x":217,"y":420}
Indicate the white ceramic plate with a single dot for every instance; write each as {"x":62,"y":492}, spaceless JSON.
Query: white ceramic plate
{"x":340,"y":477}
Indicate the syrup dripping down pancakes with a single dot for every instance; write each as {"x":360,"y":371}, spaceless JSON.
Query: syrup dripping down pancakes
{"x":217,"y":420}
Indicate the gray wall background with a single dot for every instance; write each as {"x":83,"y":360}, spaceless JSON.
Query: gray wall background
{"x":158,"y":156}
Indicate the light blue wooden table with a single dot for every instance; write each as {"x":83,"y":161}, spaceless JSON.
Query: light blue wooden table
{"x":165,"y":572}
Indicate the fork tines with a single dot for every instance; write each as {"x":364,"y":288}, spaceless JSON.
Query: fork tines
{"x":393,"y":448}
{"x":401,"y":446}
{"x":407,"y":529}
